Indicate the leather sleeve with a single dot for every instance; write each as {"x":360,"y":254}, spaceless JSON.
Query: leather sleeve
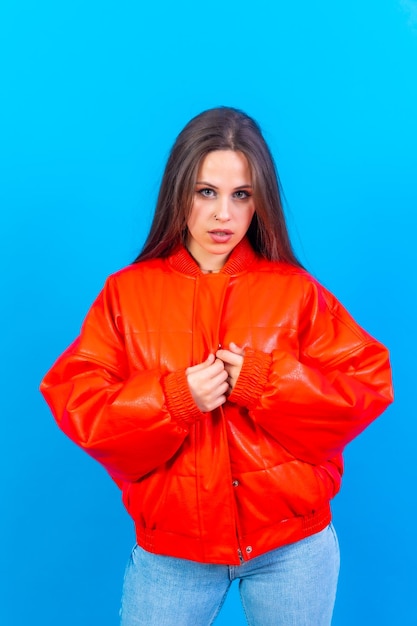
{"x":317,"y":400}
{"x":119,"y":418}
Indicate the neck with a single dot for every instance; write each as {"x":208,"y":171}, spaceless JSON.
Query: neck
{"x":205,"y":263}
{"x":209,"y":271}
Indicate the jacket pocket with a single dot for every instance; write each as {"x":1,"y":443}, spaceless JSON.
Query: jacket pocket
{"x":330,"y":476}
{"x":288,"y":490}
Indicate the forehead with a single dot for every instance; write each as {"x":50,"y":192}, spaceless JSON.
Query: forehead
{"x":225,"y":164}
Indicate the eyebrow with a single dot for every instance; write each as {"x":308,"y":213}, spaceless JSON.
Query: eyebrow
{"x":207,"y":184}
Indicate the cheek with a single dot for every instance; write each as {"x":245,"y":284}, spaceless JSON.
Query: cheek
{"x":192,"y":218}
{"x":199,"y":214}
{"x":249,"y":217}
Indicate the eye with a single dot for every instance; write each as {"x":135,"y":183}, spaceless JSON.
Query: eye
{"x":206,"y":192}
{"x":241,"y":194}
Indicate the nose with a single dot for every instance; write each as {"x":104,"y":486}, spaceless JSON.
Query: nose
{"x":223,"y":209}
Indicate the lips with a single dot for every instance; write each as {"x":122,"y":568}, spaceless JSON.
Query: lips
{"x":220,"y":236}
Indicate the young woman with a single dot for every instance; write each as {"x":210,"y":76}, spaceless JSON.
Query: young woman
{"x":218,"y":383}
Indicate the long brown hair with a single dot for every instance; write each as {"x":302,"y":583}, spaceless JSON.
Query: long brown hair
{"x":222,"y":128}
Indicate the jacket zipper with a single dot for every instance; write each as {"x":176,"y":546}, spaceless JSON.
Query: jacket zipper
{"x":236,"y":520}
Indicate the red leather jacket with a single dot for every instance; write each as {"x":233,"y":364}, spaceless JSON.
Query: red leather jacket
{"x":257,"y":473}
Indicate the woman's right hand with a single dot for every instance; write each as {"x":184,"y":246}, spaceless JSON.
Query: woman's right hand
{"x":208,"y":383}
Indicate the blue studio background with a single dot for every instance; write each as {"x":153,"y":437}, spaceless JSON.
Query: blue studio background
{"x":93,"y":96}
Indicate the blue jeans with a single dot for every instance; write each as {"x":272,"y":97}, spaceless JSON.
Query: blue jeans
{"x":291,"y":586}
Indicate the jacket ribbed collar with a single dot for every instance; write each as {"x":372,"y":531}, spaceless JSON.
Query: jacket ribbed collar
{"x":239,"y":260}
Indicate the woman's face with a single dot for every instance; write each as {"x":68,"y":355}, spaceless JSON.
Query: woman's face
{"x":222,"y":208}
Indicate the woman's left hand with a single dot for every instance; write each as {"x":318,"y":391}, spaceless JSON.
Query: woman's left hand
{"x":233,"y":361}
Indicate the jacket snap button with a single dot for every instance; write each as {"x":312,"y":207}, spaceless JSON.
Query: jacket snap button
{"x":249,"y":549}
{"x":235,"y":483}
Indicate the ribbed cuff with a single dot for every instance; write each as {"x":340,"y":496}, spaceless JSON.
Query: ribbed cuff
{"x":252,"y":378}
{"x":178,"y":398}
